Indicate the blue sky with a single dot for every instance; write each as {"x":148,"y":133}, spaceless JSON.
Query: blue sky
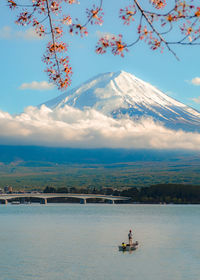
{"x":21,"y":61}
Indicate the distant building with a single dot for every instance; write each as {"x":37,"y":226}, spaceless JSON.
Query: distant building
{"x":8,"y":189}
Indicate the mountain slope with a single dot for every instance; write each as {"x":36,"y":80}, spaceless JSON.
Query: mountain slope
{"x":122,"y":95}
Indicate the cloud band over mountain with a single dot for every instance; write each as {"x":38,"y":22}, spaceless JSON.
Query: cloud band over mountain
{"x":71,"y":127}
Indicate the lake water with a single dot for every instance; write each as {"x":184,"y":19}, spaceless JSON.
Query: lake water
{"x":72,"y":241}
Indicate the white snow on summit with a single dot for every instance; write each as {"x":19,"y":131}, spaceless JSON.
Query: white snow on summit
{"x":122,"y":95}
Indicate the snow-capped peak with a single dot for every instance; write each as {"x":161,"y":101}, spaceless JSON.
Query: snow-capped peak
{"x":121,"y":94}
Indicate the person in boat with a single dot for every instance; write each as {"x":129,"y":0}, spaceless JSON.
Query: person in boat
{"x":130,"y":237}
{"x":123,"y":246}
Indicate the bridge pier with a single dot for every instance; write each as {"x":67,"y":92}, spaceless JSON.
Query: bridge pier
{"x":22,"y":200}
{"x":43,"y":201}
{"x":110,"y":201}
{"x":4,"y":201}
{"x":83,"y":201}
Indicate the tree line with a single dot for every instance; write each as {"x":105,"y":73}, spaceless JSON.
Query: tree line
{"x":160,"y":193}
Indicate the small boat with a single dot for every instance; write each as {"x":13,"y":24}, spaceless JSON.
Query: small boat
{"x":126,"y":247}
{"x":15,"y":202}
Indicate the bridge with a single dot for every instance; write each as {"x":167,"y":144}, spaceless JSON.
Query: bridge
{"x":43,"y":197}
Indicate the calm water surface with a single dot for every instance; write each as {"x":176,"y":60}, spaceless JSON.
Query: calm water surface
{"x":72,"y":241}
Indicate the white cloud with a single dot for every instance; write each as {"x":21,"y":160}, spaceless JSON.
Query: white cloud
{"x":70,"y":127}
{"x":196,"y":81}
{"x":8,"y":33}
{"x":101,"y":34}
{"x":28,"y":34}
{"x":37,"y":86}
{"x":196,"y":100}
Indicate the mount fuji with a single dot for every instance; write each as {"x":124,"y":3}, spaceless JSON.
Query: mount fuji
{"x":122,"y":95}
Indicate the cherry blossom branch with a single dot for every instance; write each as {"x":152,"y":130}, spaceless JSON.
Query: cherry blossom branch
{"x":154,"y":29}
{"x":52,"y":35}
{"x":92,"y":14}
{"x":152,"y":26}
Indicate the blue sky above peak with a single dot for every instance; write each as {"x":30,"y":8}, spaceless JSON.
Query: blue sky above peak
{"x":22,"y":71}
